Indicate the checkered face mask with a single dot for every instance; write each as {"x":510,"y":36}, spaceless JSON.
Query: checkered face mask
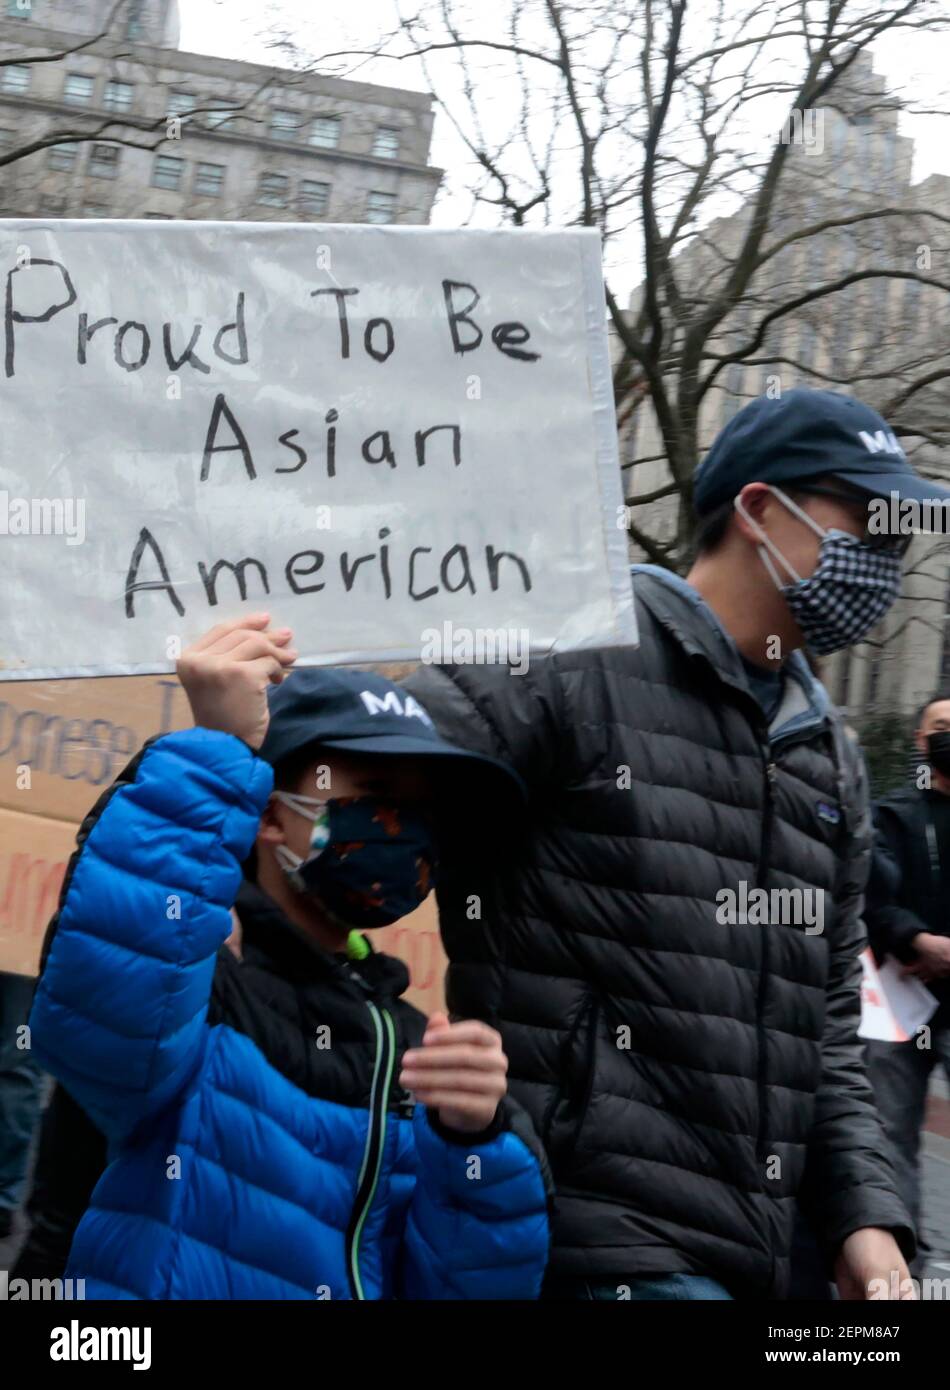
{"x":851,"y":589}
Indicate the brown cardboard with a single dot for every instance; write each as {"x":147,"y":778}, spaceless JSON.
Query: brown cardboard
{"x":416,"y":940}
{"x":33,"y":857}
{"x":62,"y":743}
{"x":34,"y":852}
{"x":74,"y":737}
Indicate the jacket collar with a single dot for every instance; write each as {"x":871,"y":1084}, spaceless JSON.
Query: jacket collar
{"x":805,"y":704}
{"x":270,"y":939}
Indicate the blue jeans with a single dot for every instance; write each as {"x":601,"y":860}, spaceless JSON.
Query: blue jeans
{"x":665,"y":1287}
{"x":21,"y":1090}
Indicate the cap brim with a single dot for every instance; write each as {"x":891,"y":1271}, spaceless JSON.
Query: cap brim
{"x":396,"y":745}
{"x":909,"y":486}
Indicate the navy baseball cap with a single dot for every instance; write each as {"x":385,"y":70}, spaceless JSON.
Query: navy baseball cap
{"x":363,"y":712}
{"x":802,"y":434}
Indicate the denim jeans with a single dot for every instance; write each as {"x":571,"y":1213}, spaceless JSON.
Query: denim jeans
{"x":21,"y":1090}
{"x":665,"y":1287}
{"x":900,"y":1074}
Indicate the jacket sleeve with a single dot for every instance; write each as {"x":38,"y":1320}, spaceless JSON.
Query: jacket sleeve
{"x":477,"y":1225}
{"x":849,"y":1180}
{"x":491,"y":710}
{"x":119,"y":1012}
{"x":891,"y":926}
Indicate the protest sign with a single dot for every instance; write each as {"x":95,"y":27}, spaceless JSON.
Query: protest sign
{"x":62,"y":743}
{"x":399,"y":441}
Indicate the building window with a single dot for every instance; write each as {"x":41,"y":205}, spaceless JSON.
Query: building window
{"x":19,"y":9}
{"x":380,"y":207}
{"x":78,"y":89}
{"x":167,"y":172}
{"x":808,"y":342}
{"x":273,"y":190}
{"x":386,"y":144}
{"x":912,"y":289}
{"x":325,"y":132}
{"x":314,"y":196}
{"x":181,"y":103}
{"x":284,"y":125}
{"x":222,"y":118}
{"x":134,"y":24}
{"x":118,"y":96}
{"x":104,"y":161}
{"x":15,"y":78}
{"x":62,"y":157}
{"x":209,"y":180}
{"x":52,"y":207}
{"x":95,"y":210}
{"x":844,"y":677}
{"x":888,"y":155}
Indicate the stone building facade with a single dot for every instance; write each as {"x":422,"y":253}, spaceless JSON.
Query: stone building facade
{"x":875,"y":340}
{"x":231,"y":140}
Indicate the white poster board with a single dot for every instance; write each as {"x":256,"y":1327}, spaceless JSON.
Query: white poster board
{"x":370,"y":432}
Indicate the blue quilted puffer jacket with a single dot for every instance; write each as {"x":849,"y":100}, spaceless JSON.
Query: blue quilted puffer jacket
{"x":248,"y":1159}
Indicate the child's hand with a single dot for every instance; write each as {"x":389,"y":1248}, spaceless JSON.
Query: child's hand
{"x":460,"y":1071}
{"x":226,"y":673}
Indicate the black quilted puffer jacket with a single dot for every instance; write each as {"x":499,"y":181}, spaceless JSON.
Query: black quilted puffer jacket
{"x":690,"y":1078}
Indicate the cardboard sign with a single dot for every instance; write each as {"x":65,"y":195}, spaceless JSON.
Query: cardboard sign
{"x":73,"y":738}
{"x":400,"y":441}
{"x":34,"y":853}
{"x":63,"y":743}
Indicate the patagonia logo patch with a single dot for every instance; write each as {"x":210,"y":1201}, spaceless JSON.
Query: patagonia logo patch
{"x":829,"y":813}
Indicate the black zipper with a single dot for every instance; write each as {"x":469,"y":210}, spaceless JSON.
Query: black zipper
{"x":593,"y":1015}
{"x":585,"y":1012}
{"x":761,"y":877}
{"x":383,"y":1066}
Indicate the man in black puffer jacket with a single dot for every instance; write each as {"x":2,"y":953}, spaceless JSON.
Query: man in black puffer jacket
{"x":670,"y":947}
{"x":907,"y":918}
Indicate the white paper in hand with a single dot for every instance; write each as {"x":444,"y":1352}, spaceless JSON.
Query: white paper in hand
{"x":893,"y":1005}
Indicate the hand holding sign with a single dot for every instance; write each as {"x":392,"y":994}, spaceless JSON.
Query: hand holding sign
{"x":460,"y":1071}
{"x":225,"y":675}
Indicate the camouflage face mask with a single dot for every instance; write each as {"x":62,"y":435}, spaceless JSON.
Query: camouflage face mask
{"x":370,"y":862}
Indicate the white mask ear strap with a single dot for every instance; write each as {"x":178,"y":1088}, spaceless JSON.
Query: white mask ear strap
{"x":768,"y":547}
{"x":286,"y":858}
{"x":796,"y":510}
{"x":304,"y":805}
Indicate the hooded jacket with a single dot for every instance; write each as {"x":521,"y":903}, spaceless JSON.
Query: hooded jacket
{"x":691,"y":1074}
{"x":907,"y":888}
{"x":260,"y":1146}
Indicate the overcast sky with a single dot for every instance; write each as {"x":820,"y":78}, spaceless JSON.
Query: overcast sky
{"x":231,"y":29}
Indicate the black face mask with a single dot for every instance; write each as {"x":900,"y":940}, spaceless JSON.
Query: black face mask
{"x":938,"y":751}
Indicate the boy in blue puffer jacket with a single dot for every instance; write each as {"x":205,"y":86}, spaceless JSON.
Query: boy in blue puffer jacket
{"x":281,"y":1123}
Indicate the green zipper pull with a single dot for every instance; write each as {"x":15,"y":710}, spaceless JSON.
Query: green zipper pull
{"x":357,"y":947}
